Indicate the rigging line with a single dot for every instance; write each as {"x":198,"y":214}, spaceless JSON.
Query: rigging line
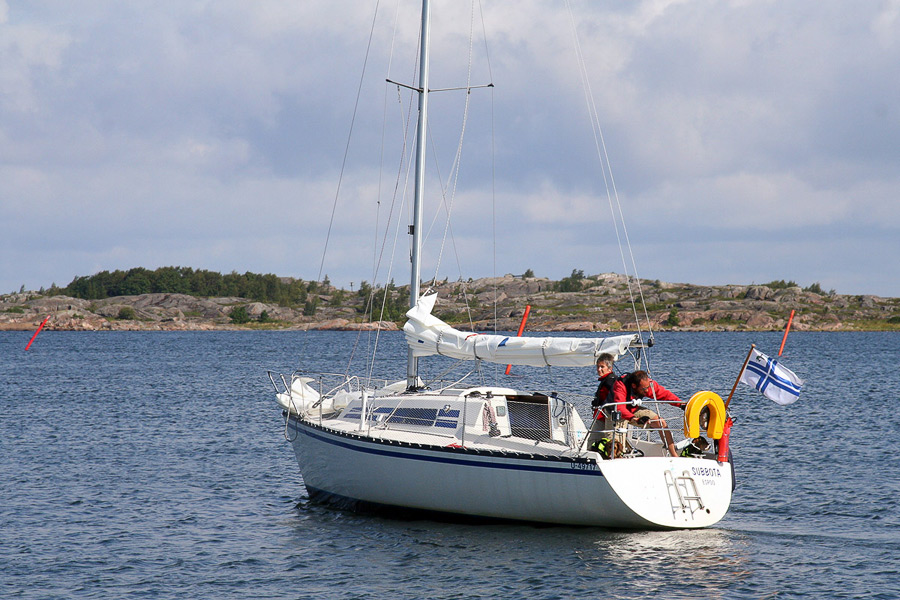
{"x":390,"y":270}
{"x":452,"y":366}
{"x":376,"y":267}
{"x":447,"y":210}
{"x":404,"y":146}
{"x":452,"y":240}
{"x":585,"y":83}
{"x":375,"y":257}
{"x":454,"y":174}
{"x":440,"y":179}
{"x":487,"y":55}
{"x":637,"y":278}
{"x":449,"y":221}
{"x":494,"y":223}
{"x":386,"y":292}
{"x":458,"y":158}
{"x":453,"y":383}
{"x":459,"y":272}
{"x":397,"y":188}
{"x":337,"y":193}
{"x":603,"y":154}
{"x":456,"y":256}
{"x":455,"y":169}
{"x":405,"y":129}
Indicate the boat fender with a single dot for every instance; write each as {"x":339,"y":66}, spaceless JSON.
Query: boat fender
{"x":724,"y":452}
{"x":733,"y":478}
{"x":717,"y":415}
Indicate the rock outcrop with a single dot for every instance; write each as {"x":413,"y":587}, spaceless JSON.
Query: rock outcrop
{"x":597,"y":303}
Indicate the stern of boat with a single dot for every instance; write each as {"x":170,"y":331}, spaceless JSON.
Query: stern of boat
{"x":681,"y":493}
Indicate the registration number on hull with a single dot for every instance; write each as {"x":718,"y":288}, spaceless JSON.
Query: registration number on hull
{"x":585,"y":466}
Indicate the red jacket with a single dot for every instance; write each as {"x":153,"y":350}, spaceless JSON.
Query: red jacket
{"x":623,"y":394}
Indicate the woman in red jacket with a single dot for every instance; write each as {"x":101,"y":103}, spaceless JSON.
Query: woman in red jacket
{"x":635,"y":386}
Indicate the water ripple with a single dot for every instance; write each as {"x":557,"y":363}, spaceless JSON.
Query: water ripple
{"x":153,"y":465}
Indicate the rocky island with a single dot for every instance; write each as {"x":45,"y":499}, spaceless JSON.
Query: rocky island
{"x":577,"y":303}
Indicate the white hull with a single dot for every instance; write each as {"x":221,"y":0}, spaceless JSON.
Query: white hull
{"x":646,"y":492}
{"x":491,"y":452}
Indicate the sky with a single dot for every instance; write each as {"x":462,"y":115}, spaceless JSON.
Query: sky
{"x":749,"y":140}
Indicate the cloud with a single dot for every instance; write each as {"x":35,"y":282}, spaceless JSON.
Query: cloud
{"x":213,"y":135}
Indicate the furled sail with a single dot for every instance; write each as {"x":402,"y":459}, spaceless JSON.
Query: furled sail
{"x":428,"y":335}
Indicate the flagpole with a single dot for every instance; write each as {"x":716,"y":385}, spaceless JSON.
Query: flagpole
{"x":736,"y":381}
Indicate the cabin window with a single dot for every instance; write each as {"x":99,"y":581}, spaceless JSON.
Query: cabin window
{"x":414,"y":416}
{"x":529,"y":417}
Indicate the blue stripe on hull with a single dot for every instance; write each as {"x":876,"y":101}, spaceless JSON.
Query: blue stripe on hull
{"x":575,"y":467}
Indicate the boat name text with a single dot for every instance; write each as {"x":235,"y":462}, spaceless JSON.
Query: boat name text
{"x":706,"y":472}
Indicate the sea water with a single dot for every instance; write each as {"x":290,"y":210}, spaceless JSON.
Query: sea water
{"x":154,"y":465}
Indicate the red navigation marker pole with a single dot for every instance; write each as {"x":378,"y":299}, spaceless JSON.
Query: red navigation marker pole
{"x":521,"y":329}
{"x":41,"y":326}
{"x":786,"y":329}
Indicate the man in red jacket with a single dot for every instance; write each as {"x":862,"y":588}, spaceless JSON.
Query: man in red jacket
{"x":635,"y":386}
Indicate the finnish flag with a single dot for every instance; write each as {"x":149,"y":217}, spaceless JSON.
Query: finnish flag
{"x":774,"y":381}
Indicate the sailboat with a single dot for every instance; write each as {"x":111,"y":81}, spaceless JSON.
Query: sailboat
{"x":489,"y":451}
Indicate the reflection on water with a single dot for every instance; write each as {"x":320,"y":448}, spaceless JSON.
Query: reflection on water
{"x":523,"y":561}
{"x":698,"y":560}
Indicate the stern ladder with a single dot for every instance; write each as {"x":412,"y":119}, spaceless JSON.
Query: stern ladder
{"x":686,"y":492}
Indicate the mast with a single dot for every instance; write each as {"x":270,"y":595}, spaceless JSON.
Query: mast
{"x":412,"y":366}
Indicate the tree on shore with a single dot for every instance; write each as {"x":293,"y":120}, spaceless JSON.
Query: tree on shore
{"x":239,"y":315}
{"x":184,"y":280}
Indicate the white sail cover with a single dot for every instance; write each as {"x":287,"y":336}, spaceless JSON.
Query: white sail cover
{"x":427,"y":335}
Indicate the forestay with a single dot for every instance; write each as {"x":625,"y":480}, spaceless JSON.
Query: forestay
{"x":427,"y":335}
